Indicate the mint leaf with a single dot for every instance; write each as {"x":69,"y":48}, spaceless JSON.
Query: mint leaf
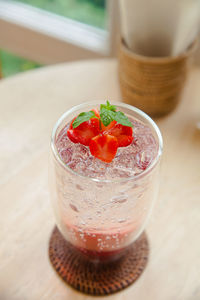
{"x":83,"y":117}
{"x":108,"y":106}
{"x":122,"y":119}
{"x":106,"y":116}
{"x":107,"y":112}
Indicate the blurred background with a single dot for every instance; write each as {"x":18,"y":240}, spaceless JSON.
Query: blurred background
{"x":34,"y":33}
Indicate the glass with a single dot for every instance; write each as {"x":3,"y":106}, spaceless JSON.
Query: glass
{"x":90,"y":12}
{"x":101,"y":218}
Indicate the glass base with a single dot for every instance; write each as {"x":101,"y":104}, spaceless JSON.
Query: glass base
{"x":97,"y":278}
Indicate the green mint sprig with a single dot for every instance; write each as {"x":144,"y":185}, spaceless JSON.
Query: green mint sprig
{"x":83,"y":117}
{"x":108,"y":114}
{"x":122,"y":119}
{"x":108,"y":106}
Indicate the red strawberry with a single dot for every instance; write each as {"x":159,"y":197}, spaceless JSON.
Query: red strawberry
{"x":84,"y":132}
{"x":124,"y":140}
{"x":104,"y":147}
{"x":106,"y":128}
{"x":124,"y":134}
{"x":70,"y":126}
{"x":95,"y":110}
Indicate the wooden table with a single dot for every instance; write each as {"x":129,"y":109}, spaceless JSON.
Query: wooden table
{"x":30,"y":104}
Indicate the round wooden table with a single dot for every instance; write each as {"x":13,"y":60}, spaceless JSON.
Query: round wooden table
{"x":30,"y":104}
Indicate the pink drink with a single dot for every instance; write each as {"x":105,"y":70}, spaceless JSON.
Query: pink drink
{"x":102,"y":208}
{"x":128,"y":162}
{"x":102,"y":218}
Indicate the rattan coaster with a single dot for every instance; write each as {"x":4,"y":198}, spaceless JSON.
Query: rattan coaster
{"x":97,"y":279}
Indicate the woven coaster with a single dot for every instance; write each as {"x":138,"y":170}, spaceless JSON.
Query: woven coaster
{"x":97,"y":279}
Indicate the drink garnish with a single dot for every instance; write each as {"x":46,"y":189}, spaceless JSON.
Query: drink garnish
{"x":104,"y":147}
{"x":83,"y":117}
{"x":84,"y":132}
{"x":108,"y":114}
{"x":102,"y":131}
{"x":124,"y":134}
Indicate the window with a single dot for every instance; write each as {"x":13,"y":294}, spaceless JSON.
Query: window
{"x":51,"y":31}
{"x":92,"y":12}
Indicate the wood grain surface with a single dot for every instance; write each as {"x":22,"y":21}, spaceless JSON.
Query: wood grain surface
{"x":30,"y":104}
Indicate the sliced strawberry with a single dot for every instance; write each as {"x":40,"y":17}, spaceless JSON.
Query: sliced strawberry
{"x":84,"y":132}
{"x":106,"y":128}
{"x":73,"y":135}
{"x":70,"y":126}
{"x":119,"y":129}
{"x":104,"y":147}
{"x":95,"y":110}
{"x":124,"y":134}
{"x":124,"y":140}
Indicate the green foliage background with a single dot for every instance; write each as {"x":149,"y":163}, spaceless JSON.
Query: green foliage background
{"x":87,"y":11}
